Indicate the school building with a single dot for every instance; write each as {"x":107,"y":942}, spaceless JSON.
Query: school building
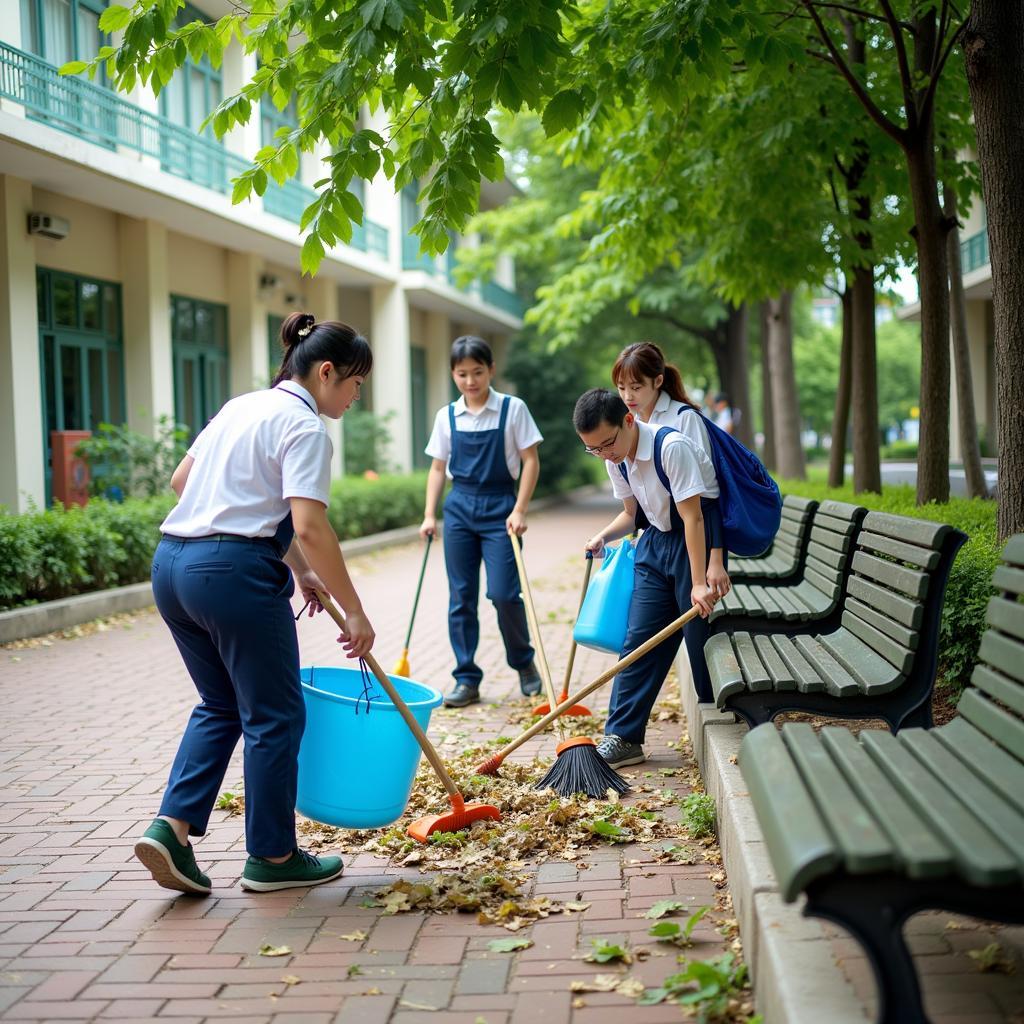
{"x":131,"y":288}
{"x":977,"y":272}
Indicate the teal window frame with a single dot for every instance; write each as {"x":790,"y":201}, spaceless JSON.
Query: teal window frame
{"x":90,"y":335}
{"x":33,"y":30}
{"x":201,"y":357}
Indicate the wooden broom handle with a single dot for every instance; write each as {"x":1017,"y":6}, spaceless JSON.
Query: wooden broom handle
{"x":572,"y":648}
{"x":403,"y":709}
{"x":531,"y":617}
{"x":610,"y":673}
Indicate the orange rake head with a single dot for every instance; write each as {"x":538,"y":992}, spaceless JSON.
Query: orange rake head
{"x":461,"y":816}
{"x":578,"y":710}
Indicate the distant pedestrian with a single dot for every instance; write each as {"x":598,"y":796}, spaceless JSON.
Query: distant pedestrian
{"x":723,"y":415}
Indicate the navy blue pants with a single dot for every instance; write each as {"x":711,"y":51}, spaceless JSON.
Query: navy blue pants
{"x":661,"y":593}
{"x":227,"y":606}
{"x":474,"y":529}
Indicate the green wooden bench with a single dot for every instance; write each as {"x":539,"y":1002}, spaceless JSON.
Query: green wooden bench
{"x":879,"y":827}
{"x":878,"y":659}
{"x":811,"y":599}
{"x":785,"y":558}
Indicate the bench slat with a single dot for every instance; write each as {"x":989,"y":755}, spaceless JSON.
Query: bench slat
{"x":913,"y":531}
{"x":755,"y":674}
{"x":1007,"y":616}
{"x":833,"y":560}
{"x":843,"y":510}
{"x":903,"y":610}
{"x":814,"y":602}
{"x":909,"y":581}
{"x":723,"y":667}
{"x":767,"y":599}
{"x":1007,"y":578}
{"x":828,"y":586}
{"x":748,"y":601}
{"x":905,"y":637}
{"x":838,"y":681}
{"x":782,"y":678}
{"x":797,"y":503}
{"x":1005,"y":654}
{"x":832,"y":541}
{"x":824,"y":523}
{"x":1001,"y":771}
{"x":800,"y":845}
{"x":863,"y":844}
{"x":807,"y":679}
{"x":1013,"y":552}
{"x":997,"y":724}
{"x":921,"y":852}
{"x":894,"y":653}
{"x":925,"y":558}
{"x":999,"y":687}
{"x":980,"y":857}
{"x":1001,"y":817}
{"x":791,"y":608}
{"x":868,"y":667}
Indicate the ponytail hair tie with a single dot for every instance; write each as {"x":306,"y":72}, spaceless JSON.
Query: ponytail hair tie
{"x":309,"y":322}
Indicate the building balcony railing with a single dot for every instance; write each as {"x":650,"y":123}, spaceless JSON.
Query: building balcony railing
{"x":99,"y":116}
{"x":974,"y":252}
{"x":503,"y":298}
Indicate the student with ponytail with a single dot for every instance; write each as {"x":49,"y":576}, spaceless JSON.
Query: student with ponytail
{"x":250,"y":523}
{"x":653,"y":392}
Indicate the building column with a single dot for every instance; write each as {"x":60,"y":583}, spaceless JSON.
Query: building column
{"x":146,"y":318}
{"x":439,"y":375}
{"x":322,"y":302}
{"x":248,"y":344}
{"x":392,"y":377}
{"x":22,"y":453}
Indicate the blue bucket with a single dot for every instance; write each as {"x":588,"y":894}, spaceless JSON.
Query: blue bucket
{"x":356,"y":767}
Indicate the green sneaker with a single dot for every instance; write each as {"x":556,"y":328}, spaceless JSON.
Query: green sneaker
{"x":300,"y":869}
{"x":172,"y":865}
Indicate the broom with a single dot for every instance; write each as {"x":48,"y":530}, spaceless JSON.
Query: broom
{"x":402,"y":667}
{"x":462,"y":815}
{"x":493,"y":763}
{"x":576,"y":709}
{"x":578,"y":767}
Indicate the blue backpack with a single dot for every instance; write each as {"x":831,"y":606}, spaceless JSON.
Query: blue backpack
{"x":749,"y":499}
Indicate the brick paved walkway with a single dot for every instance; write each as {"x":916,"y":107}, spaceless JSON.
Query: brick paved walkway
{"x":92,"y":725}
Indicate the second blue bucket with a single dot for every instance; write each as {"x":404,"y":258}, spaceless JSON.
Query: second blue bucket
{"x":356,"y":765}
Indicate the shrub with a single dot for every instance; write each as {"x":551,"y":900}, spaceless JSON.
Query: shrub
{"x":366,"y":439}
{"x":124,"y":463}
{"x":970,"y":582}
{"x":360,"y":507}
{"x":903,"y":451}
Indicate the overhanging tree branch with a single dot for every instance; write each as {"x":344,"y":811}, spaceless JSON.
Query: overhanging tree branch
{"x":906,"y":79}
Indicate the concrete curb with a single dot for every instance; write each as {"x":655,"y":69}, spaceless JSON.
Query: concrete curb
{"x":795,"y":974}
{"x":51,"y":616}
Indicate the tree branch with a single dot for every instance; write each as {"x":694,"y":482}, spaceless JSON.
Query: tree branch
{"x":929,"y":96}
{"x":906,"y":79}
{"x":896,"y":133}
{"x":705,"y":333}
{"x":858,"y":11}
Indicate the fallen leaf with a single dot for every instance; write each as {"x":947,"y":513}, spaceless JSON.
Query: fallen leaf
{"x":356,"y":936}
{"x":373,"y":991}
{"x":267,"y":950}
{"x":577,"y":906}
{"x":663,"y":907}
{"x":508,"y":945}
{"x":291,"y":979}
{"x":578,"y":1004}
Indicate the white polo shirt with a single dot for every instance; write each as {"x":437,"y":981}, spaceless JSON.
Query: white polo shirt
{"x":260,"y":450}
{"x":520,"y":430}
{"x":687,"y":467}
{"x":666,"y":414}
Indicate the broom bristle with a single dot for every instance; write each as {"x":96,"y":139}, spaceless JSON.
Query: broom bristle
{"x":579,"y":768}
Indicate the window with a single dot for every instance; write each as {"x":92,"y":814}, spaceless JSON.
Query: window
{"x":62,"y":30}
{"x":80,"y":354}
{"x":199,"y":342}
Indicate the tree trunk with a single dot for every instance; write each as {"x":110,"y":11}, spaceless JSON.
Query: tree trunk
{"x":767,"y":411}
{"x":867,"y":473}
{"x":994,"y":48}
{"x":841,"y":415}
{"x":718,"y":342}
{"x":785,"y":405}
{"x":964,"y":382}
{"x":739,"y":370}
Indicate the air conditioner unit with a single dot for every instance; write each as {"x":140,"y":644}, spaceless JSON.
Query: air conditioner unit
{"x":48,"y":226}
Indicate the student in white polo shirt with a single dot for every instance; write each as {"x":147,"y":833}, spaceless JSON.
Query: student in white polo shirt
{"x":250,"y":522}
{"x":664,"y":480}
{"x":480,"y":443}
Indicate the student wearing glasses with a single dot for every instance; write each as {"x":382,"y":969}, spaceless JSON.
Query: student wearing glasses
{"x":661,"y":477}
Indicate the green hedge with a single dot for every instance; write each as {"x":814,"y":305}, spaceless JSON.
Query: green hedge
{"x":360,"y":506}
{"x":970,"y":582}
{"x":60,"y":552}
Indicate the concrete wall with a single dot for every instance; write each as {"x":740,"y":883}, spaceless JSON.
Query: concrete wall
{"x":196,"y":269}
{"x":91,"y":248}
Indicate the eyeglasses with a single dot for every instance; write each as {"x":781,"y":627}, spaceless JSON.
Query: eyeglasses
{"x":599,"y":448}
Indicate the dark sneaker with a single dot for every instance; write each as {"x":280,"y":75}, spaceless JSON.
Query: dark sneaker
{"x":462,"y":696}
{"x":172,"y":865}
{"x":619,"y":753}
{"x":529,"y":680}
{"x":299,"y":870}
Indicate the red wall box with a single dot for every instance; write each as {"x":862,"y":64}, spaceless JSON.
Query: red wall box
{"x":70,"y":472}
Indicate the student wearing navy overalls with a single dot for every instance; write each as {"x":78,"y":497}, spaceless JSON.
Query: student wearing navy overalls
{"x":480,"y":443}
{"x":666,"y":479}
{"x":653,"y":391}
{"x":252,"y":512}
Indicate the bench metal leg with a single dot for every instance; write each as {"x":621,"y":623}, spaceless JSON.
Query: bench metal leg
{"x":874,"y":909}
{"x":757,"y":707}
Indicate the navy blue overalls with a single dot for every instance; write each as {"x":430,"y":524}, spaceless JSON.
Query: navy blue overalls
{"x":226,"y":600}
{"x":661,"y":593}
{"x":481,"y":499}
